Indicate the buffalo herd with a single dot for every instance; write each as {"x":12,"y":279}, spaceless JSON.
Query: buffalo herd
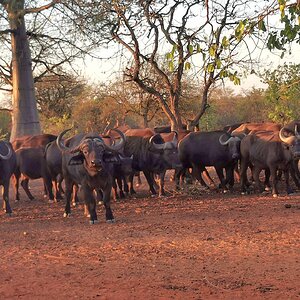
{"x":93,"y":165}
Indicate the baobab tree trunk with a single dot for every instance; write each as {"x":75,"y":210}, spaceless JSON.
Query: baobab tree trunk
{"x":25,"y":119}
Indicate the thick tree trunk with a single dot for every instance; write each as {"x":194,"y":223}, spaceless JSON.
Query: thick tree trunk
{"x":25,"y":119}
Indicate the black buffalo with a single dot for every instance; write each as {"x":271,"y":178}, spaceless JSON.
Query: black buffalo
{"x":216,"y":148}
{"x":31,"y":164}
{"x":270,"y":151}
{"x":152,"y":156}
{"x":88,"y":162}
{"x":8,"y":165}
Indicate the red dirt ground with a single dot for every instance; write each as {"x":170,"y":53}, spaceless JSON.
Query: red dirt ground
{"x":185,"y":246}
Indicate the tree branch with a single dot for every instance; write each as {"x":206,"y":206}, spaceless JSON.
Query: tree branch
{"x":41,"y":8}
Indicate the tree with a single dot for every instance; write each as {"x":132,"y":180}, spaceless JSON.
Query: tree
{"x":283,"y":93}
{"x":57,"y":94}
{"x":51,"y":36}
{"x":196,"y":39}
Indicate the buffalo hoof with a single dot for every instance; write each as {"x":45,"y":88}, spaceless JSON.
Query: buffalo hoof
{"x":66,"y":215}
{"x":9,"y":214}
{"x":92,"y":222}
{"x":111,"y":221}
{"x":275,"y":195}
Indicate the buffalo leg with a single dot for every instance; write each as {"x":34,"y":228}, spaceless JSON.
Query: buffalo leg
{"x":24,"y":184}
{"x":56,"y":189}
{"x":16,"y":179}
{"x":230,"y":177}
{"x":131,"y":189}
{"x":274,"y":181}
{"x":294,"y":175}
{"x":296,"y":168}
{"x":120,"y":181}
{"x":68,"y":195}
{"x":255,"y":172}
{"x":115,"y":190}
{"x":75,"y":191}
{"x":150,"y":180}
{"x":161,"y":184}
{"x":178,"y":175}
{"x":206,"y":175}
{"x":267,"y":179}
{"x":221,"y":177}
{"x":289,"y":190}
{"x":106,"y":201}
{"x":196,"y":172}
{"x":90,"y":202}
{"x":48,"y":184}
{"x":243,"y":175}
{"x":6,"y":205}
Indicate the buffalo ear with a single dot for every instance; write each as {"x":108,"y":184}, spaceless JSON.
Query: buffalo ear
{"x":76,"y":160}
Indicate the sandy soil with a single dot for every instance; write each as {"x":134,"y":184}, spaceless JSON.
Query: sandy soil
{"x":185,"y":246}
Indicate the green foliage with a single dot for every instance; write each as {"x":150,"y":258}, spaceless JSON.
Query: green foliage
{"x":55,"y":125}
{"x":283,"y":92}
{"x":239,"y":31}
{"x":5,"y":125}
{"x":289,"y":17}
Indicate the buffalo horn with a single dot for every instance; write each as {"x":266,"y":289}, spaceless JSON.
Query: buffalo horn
{"x":296,"y":131}
{"x":62,"y":146}
{"x":117,"y":147}
{"x":156,"y":146}
{"x":223,"y":139}
{"x":8,"y":155}
{"x":287,"y":140}
{"x":231,"y":138}
{"x":175,"y":138}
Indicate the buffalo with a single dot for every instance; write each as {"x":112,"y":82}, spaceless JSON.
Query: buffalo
{"x":271,"y":151}
{"x":88,"y":162}
{"x":216,"y":148}
{"x":8,"y":165}
{"x":31,"y":164}
{"x":152,"y":156}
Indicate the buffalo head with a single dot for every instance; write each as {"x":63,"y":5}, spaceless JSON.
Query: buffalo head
{"x":233,"y":144}
{"x":91,"y":150}
{"x":292,"y":139}
{"x":169,"y":150}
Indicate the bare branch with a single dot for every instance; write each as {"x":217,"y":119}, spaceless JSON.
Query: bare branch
{"x":41,"y":8}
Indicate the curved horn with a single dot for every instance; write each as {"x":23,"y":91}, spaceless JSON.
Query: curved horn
{"x":175,"y":138}
{"x":62,"y":146}
{"x":222,"y":140}
{"x":8,"y":155}
{"x":287,"y":140}
{"x":297,"y":135}
{"x":120,"y":145}
{"x":231,"y":138}
{"x":156,"y":146}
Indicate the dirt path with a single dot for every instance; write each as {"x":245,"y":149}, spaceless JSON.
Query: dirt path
{"x":210,"y":246}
